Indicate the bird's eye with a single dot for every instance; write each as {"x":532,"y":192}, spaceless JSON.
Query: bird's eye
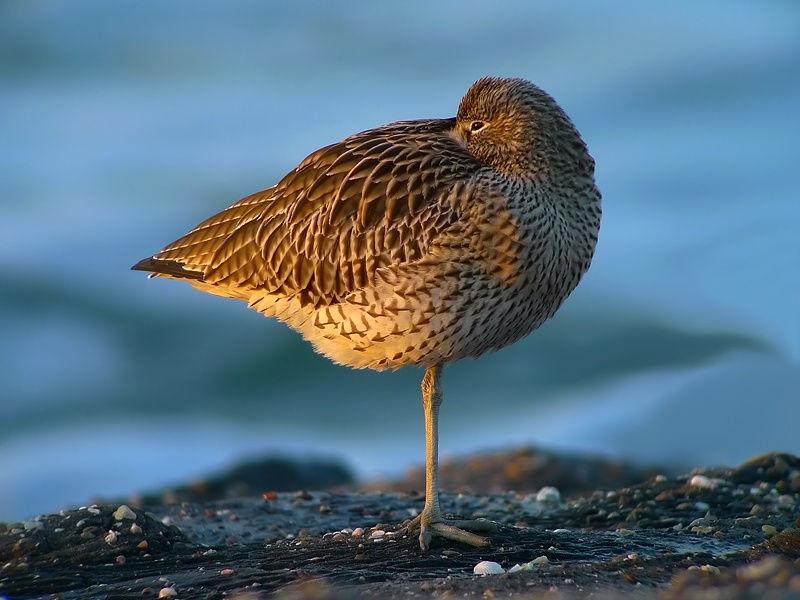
{"x":476,"y":126}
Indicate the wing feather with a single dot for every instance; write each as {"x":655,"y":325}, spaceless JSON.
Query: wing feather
{"x":376,"y":198}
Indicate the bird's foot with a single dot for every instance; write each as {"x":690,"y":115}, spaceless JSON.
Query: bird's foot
{"x":457,"y":530}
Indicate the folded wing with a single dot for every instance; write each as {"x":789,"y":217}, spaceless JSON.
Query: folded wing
{"x":376,"y":199}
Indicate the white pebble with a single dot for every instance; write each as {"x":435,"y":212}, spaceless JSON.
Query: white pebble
{"x":706,"y":483}
{"x":168,"y":520}
{"x":32,"y":525}
{"x":111,"y":538}
{"x":93,"y":510}
{"x":377,"y":534}
{"x":358,"y":532}
{"x":548,"y":495}
{"x":124,"y":512}
{"x":135,"y":529}
{"x":168,"y":592}
{"x":487,"y":567}
{"x":560,"y":530}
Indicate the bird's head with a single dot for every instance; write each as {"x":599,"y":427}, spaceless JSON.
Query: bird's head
{"x":517,"y":128}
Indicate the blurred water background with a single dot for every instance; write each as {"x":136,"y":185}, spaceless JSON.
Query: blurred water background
{"x":123,"y":124}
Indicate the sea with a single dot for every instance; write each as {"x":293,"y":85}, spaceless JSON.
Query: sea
{"x":125,"y":123}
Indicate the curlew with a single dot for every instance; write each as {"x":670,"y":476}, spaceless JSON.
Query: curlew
{"x":416,"y":243}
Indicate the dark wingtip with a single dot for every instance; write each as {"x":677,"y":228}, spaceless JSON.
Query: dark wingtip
{"x":157,"y":266}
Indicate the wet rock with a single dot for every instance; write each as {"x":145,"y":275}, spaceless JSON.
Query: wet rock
{"x":662,"y":534}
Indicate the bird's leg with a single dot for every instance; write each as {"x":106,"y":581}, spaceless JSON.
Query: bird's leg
{"x":431,"y":522}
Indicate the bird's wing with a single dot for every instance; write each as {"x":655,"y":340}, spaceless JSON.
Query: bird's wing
{"x":376,"y":199}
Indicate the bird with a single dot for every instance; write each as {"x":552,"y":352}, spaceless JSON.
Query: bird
{"x":417,"y":243}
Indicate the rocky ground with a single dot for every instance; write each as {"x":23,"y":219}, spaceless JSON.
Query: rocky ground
{"x":716,"y":533}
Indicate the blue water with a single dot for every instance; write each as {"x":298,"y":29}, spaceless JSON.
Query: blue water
{"x":124,"y":123}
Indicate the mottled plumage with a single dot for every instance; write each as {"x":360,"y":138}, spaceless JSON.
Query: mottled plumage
{"x":419,"y":242}
{"x":415,"y":243}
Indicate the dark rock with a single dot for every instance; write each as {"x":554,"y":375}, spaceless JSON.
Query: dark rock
{"x":527,"y":470}
{"x":255,"y":477}
{"x":688,"y":536}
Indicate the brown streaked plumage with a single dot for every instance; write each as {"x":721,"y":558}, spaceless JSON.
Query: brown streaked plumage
{"x":415,"y":243}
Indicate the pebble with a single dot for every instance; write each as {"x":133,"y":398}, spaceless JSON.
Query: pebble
{"x":135,"y":529}
{"x":93,"y":510}
{"x":487,"y":567}
{"x":124,"y":512}
{"x":769,"y":530}
{"x":111,"y":538}
{"x":785,"y":501}
{"x":168,"y":592}
{"x":377,"y":534}
{"x":538,"y":562}
{"x":358,"y":532}
{"x":143,"y":545}
{"x":32,"y":525}
{"x":548,"y":495}
{"x":227,"y":572}
{"x":560,"y":530}
{"x":120,"y":560}
{"x":706,"y":483}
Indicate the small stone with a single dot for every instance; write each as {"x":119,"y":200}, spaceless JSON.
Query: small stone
{"x":377,"y":534}
{"x":487,"y":567}
{"x":32,"y":525}
{"x":540,"y":561}
{"x":227,"y":572}
{"x":167,"y":520}
{"x":660,"y":478}
{"x":143,"y":545}
{"x":135,"y":529}
{"x":93,"y":510}
{"x":358,"y":532}
{"x":706,"y":483}
{"x":168,"y":592}
{"x":548,"y":495}
{"x":339,"y":537}
{"x":324,"y":509}
{"x":769,"y":530}
{"x":89,"y":533}
{"x":702,"y":530}
{"x":270,"y":496}
{"x":710,"y":569}
{"x":111,"y":538}
{"x":120,"y":560}
{"x":124,"y":512}
{"x":560,"y":530}
{"x":785,"y":501}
